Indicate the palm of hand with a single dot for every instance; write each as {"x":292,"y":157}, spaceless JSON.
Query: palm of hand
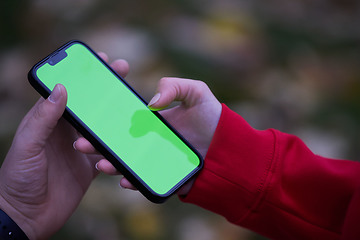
{"x":53,"y":176}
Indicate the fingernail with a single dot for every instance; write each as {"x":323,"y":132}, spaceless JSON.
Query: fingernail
{"x":121,"y":186}
{"x":96,"y":166}
{"x":55,"y":94}
{"x":154,"y":99}
{"x":74,"y":146}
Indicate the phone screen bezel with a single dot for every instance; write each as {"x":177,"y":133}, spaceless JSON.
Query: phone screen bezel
{"x":98,"y":143}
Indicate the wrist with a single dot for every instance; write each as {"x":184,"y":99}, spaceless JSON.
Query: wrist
{"x":18,"y":218}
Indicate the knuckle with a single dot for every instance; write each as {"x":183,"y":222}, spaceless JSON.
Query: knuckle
{"x":200,"y":88}
{"x":164,"y":81}
{"x":39,"y":113}
{"x":201,"y":85}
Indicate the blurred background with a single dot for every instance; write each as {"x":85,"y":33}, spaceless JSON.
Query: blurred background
{"x":290,"y":65}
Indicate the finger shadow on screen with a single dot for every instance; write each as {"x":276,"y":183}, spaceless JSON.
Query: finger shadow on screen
{"x":144,"y":122}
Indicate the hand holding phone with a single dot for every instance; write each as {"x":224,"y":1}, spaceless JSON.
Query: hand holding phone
{"x":115,"y":119}
{"x":196,"y":118}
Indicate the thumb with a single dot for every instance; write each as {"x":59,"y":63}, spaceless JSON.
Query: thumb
{"x":40,"y":121}
{"x":189,"y":92}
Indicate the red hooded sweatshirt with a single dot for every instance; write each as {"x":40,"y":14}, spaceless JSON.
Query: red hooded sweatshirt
{"x":271,"y":183}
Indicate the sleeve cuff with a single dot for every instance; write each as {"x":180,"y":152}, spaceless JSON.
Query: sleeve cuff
{"x":237,"y":168}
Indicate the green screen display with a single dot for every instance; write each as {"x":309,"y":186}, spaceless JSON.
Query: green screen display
{"x":120,"y":119}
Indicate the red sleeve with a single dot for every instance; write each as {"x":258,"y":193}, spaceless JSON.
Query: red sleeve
{"x":271,"y":183}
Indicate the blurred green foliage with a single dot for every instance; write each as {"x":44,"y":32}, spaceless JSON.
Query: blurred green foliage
{"x":291,"y":65}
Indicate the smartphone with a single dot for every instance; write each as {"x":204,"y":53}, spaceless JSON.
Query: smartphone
{"x":107,"y":111}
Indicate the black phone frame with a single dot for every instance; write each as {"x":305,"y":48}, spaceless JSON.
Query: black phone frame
{"x":98,"y":143}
